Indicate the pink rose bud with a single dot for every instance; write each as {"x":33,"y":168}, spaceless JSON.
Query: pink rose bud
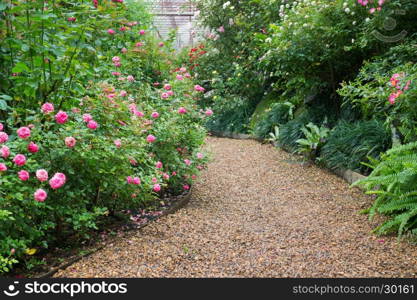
{"x":40,"y":195}
{"x":182,"y":110}
{"x":61,"y":117}
{"x":70,"y":142}
{"x":118,"y":143}
{"x":23,"y":175}
{"x":47,"y":108}
{"x":4,"y":152}
{"x":92,"y":125}
{"x":19,"y":160}
{"x":4,"y":137}
{"x":87,"y":118}
{"x":156,"y":187}
{"x":23,"y":132}
{"x":33,"y":148}
{"x":150,"y":138}
{"x":3,"y":167}
{"x":155,"y":115}
{"x":42,"y":175}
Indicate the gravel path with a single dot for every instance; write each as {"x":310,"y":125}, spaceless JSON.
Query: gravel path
{"x":257,"y":212}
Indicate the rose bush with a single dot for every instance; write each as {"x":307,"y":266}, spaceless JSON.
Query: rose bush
{"x":83,"y":142}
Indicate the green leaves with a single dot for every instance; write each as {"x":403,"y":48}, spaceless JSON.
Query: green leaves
{"x":20,"y":67}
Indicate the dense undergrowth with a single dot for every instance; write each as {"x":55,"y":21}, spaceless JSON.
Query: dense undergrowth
{"x":96,"y":116}
{"x":333,"y":80}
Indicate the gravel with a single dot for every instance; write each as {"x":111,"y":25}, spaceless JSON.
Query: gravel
{"x":258,"y":212}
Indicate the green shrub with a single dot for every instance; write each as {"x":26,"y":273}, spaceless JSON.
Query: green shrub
{"x":280,"y":113}
{"x":315,"y":137}
{"x":394,"y":182}
{"x":231,"y":116}
{"x":350,"y":144}
{"x":292,"y":131}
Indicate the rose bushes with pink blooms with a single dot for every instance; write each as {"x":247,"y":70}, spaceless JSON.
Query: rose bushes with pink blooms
{"x":95,"y":136}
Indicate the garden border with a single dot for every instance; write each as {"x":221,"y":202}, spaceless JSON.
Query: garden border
{"x":180,"y":203}
{"x":348,"y":175}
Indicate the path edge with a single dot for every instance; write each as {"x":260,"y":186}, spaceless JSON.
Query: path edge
{"x":348,"y":175}
{"x":180,"y":203}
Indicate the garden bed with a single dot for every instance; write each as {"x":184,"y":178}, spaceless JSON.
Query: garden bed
{"x":117,"y":227}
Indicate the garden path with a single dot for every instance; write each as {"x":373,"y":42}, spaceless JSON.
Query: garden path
{"x":257,"y":212}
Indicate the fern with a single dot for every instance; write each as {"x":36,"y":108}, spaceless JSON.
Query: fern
{"x":394,"y":182}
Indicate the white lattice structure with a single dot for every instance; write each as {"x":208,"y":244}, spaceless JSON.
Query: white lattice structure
{"x":174,"y":14}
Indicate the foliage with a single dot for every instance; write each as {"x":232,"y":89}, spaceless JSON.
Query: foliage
{"x":393,"y":181}
{"x":278,"y":114}
{"x":385,"y":89}
{"x":315,"y":137}
{"x":113,"y":128}
{"x":350,"y":144}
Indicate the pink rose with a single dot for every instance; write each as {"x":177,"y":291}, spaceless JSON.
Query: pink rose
{"x":155,"y":115}
{"x":23,"y":175}
{"x":182,"y":110}
{"x":111,"y":31}
{"x":4,"y":151}
{"x":139,"y":44}
{"x":164,"y":95}
{"x":199,"y":88}
{"x":92,"y":125}
{"x":3,"y":167}
{"x":47,"y":108}
{"x":150,"y":138}
{"x":154,"y":180}
{"x":118,"y":143}
{"x":193,"y":177}
{"x":124,"y":50}
{"x":186,"y":187}
{"x":160,"y":44}
{"x":174,"y":173}
{"x":187,"y":162}
{"x":40,"y":195}
{"x":4,"y":137}
{"x":23,"y":132}
{"x":167,"y":87}
{"x":209,"y":112}
{"x":142,"y":32}
{"x":165,"y":176}
{"x":57,"y":180}
{"x":129,"y":179}
{"x":170,"y":93}
{"x":139,"y":114}
{"x":116,"y":73}
{"x":1,"y":127}
{"x":42,"y":175}
{"x":187,"y":75}
{"x":87,"y":118}
{"x":183,"y":70}
{"x":19,"y":160}
{"x":70,"y":141}
{"x":61,"y":117}
{"x":33,"y":148}
{"x":179,"y":77}
{"x":115,"y":59}
{"x":136,"y":180}
{"x":200,"y":155}
{"x":158,"y":165}
{"x":156,"y":187}
{"x":130,"y":78}
{"x":123,"y":94}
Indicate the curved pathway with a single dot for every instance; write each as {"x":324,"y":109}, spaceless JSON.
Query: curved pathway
{"x":257,"y":212}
